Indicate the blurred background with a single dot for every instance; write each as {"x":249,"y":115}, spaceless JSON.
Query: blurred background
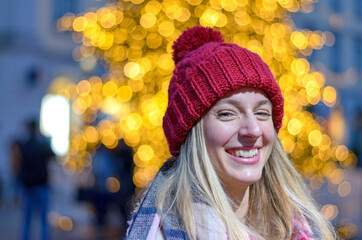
{"x":84,"y":88}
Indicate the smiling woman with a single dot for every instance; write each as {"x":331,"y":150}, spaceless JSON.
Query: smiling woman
{"x":229,"y":177}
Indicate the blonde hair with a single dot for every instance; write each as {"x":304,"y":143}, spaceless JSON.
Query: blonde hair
{"x":279,"y":195}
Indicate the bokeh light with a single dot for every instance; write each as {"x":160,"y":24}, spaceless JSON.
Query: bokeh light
{"x":112,"y":184}
{"x":65,"y":223}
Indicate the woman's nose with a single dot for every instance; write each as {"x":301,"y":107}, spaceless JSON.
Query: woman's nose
{"x":250,"y":127}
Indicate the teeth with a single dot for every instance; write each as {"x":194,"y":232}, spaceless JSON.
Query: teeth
{"x":246,"y":154}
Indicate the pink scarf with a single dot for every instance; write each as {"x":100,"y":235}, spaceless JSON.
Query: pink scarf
{"x":209,"y":226}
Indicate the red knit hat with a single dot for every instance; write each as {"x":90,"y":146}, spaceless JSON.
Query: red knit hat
{"x":206,"y":69}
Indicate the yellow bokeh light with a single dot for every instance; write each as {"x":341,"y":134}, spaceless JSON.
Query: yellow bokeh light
{"x":312,"y":88}
{"x":165,"y":62}
{"x":65,"y":223}
{"x":124,"y":94}
{"x":300,"y":66}
{"x":104,"y":40}
{"x":79,"y":24}
{"x":222,"y":20}
{"x":316,"y":41}
{"x":145,"y":63}
{"x":286,"y":82}
{"x":154,"y":40}
{"x":215,"y":4}
{"x":137,"y":1}
{"x":182,"y":14}
{"x":315,"y":137}
{"x":242,"y":3}
{"x":153,"y":7}
{"x":194,"y":2}
{"x":141,"y":177}
{"x":337,"y":125}
{"x":295,"y":126}
{"x":170,"y":9}
{"x":288,"y":144}
{"x":109,"y":89}
{"x":330,"y":211}
{"x":136,"y":85}
{"x":80,"y":103}
{"x":91,"y":134}
{"x":148,"y":20}
{"x":107,"y":20}
{"x":109,"y":138}
{"x":155,"y":117}
{"x":132,"y":69}
{"x":210,"y":17}
{"x":319,"y":78}
{"x":132,"y":138}
{"x":66,"y":22}
{"x":62,"y":83}
{"x":145,"y":153}
{"x":92,"y":19}
{"x":342,"y":153}
{"x":111,"y":105}
{"x":96,"y":84}
{"x":344,"y":189}
{"x":229,"y":5}
{"x":104,"y":124}
{"x":134,"y":121}
{"x":299,"y":40}
{"x":278,"y":30}
{"x":337,"y":176}
{"x":166,"y":28}
{"x":329,"y":96}
{"x":242,"y":18}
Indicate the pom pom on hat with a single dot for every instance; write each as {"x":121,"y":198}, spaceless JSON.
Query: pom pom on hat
{"x":192,"y":39}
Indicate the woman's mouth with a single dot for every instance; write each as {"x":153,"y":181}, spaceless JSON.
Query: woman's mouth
{"x":245,"y":156}
{"x":244,"y":153}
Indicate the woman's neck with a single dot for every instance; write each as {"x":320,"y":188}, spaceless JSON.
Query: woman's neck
{"x":240,"y":197}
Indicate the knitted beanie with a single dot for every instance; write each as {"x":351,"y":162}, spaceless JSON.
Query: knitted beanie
{"x":206,"y":69}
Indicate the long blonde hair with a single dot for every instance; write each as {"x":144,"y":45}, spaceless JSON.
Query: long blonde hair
{"x":279,"y":195}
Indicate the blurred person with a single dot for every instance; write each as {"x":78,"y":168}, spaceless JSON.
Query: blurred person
{"x":102,"y":168}
{"x":30,"y":163}
{"x":229,"y":177}
{"x":116,"y":163}
{"x":15,"y":167}
{"x":125,"y":166}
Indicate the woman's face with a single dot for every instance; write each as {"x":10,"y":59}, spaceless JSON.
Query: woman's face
{"x":239,"y":134}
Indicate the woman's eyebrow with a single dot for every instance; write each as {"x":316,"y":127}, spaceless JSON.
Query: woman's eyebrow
{"x":235,"y":102}
{"x":263,"y":102}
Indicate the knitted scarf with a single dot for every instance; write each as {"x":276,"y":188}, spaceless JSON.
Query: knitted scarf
{"x":143,"y":220}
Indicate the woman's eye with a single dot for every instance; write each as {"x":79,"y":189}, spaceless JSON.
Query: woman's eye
{"x":225,"y":115}
{"x":263,"y":114}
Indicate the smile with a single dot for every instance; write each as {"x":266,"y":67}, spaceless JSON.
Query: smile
{"x":246,"y":156}
{"x":245,"y":153}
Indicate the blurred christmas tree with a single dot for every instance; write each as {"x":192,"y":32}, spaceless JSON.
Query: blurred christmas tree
{"x":133,"y":40}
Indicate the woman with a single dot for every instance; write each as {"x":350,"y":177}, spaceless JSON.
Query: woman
{"x":229,"y":177}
